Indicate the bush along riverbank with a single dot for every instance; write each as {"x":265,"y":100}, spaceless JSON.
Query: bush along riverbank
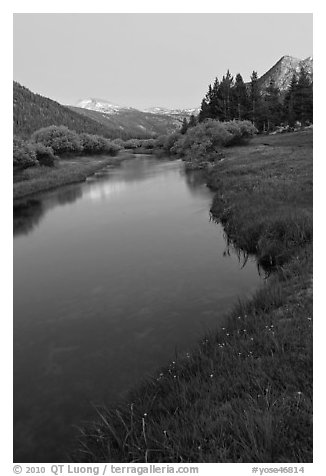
{"x":56,"y":156}
{"x":244,"y":392}
{"x":66,"y":171}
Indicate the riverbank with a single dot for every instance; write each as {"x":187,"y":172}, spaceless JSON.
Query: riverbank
{"x":244,"y":392}
{"x":66,"y":171}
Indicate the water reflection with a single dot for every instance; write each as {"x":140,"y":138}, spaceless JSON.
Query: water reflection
{"x":195,"y":179}
{"x":28,"y":213}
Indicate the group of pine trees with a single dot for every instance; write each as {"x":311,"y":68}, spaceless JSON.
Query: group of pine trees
{"x":231,"y":99}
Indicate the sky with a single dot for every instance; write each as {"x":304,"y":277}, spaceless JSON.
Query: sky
{"x":145,"y":60}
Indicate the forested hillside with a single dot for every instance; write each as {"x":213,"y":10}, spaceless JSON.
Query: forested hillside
{"x":33,"y":111}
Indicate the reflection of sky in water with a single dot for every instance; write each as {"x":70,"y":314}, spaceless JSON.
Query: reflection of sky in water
{"x":106,"y":190}
{"x":110,"y":278}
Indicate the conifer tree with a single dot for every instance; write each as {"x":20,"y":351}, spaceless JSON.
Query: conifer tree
{"x":254,"y":99}
{"x":216,"y":103}
{"x":289,"y":114}
{"x":273,"y":107}
{"x":184,"y":126}
{"x":225,"y":92}
{"x":298,"y":102}
{"x":204,"y":111}
{"x":192,"y":121}
{"x":240,"y":95}
{"x":304,"y":98}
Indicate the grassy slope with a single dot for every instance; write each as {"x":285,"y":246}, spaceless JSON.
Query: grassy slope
{"x":77,"y":169}
{"x":264,"y":197}
{"x":244,"y":393}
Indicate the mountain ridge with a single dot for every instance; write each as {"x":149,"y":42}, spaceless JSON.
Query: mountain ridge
{"x":283,"y":70}
{"x":109,"y":107}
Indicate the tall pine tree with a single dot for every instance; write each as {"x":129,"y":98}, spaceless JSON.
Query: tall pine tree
{"x":241,"y":100}
{"x":273,"y":107}
{"x":255,"y":99}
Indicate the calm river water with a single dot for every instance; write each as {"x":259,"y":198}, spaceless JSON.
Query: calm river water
{"x":112,"y":277}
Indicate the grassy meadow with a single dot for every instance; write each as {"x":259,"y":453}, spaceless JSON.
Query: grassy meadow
{"x":243,"y":393}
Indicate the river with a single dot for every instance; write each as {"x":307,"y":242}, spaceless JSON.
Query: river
{"x":112,"y":278}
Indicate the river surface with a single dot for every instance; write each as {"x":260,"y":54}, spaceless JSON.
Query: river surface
{"x":112,"y":278}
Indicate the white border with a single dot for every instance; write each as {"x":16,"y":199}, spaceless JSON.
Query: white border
{"x":168,"y":6}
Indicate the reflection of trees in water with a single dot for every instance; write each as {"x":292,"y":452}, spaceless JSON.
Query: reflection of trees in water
{"x":28,"y":213}
{"x":27,"y":216}
{"x":68,"y":195}
{"x":195,"y":179}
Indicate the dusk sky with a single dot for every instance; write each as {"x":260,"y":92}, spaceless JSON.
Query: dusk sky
{"x":144,"y":60}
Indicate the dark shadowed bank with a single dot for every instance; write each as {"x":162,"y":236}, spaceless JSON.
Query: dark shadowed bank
{"x":244,"y":392}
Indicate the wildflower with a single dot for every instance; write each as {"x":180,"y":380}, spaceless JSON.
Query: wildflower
{"x":145,"y":414}
{"x":239,"y":317}
{"x":211,"y":375}
{"x":228,"y":335}
{"x":251,"y":338}
{"x":299,"y":393}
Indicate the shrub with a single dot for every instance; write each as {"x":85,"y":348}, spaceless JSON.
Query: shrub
{"x":24,"y":154}
{"x":111,"y":148}
{"x":60,"y":138}
{"x":132,"y":143}
{"x":170,"y":141}
{"x":119,"y":142}
{"x":44,"y":154}
{"x":205,"y":141}
{"x":94,"y":144}
{"x":241,"y":131}
{"x":148,"y":143}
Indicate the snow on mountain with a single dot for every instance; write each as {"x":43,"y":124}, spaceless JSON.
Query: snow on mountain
{"x":108,"y":107}
{"x":171,"y":112}
{"x":101,"y":105}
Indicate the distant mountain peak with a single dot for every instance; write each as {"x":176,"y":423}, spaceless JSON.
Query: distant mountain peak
{"x":283,"y":70}
{"x":101,"y":105}
{"x":108,"y":107}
